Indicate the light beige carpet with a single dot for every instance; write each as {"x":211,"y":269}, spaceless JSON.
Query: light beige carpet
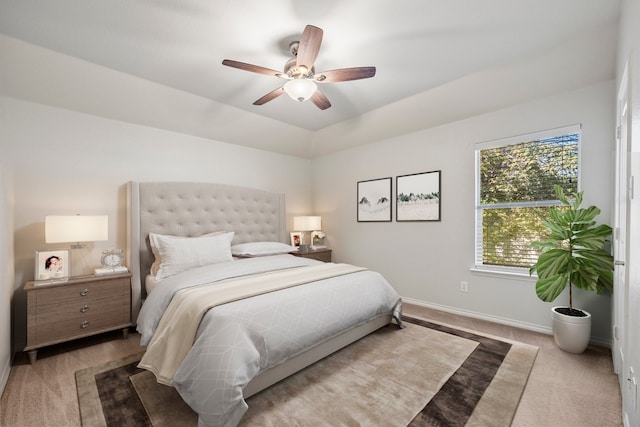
{"x":425,"y":374}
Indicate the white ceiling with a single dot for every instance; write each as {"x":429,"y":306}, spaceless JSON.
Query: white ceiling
{"x":416,"y":45}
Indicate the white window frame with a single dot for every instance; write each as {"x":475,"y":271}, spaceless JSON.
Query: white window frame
{"x":497,"y":269}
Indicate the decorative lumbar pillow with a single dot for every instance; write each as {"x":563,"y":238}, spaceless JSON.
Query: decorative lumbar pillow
{"x":152,"y":242}
{"x":180,"y":254}
{"x":261,"y":249}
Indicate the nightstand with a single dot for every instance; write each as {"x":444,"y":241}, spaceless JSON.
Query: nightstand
{"x":79,"y":307}
{"x":323,"y":255}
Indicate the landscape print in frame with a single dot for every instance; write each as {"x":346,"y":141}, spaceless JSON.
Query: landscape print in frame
{"x":418,"y":197}
{"x":374,"y":200}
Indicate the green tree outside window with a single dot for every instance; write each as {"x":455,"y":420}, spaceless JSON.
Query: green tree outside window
{"x":516,"y":192}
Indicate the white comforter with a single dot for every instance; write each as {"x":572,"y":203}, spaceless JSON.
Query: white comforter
{"x":238,"y":340}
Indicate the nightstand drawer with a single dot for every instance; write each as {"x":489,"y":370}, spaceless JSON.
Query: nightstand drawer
{"x":80,"y":309}
{"x":81,"y":293}
{"x":323,"y":255}
{"x":47,"y":332}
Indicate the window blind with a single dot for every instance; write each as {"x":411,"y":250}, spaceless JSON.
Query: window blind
{"x":515,"y":191}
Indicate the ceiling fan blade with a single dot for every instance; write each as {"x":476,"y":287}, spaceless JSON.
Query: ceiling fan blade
{"x":320,"y":100}
{"x":345,"y":74}
{"x":270,"y":96}
{"x":309,"y":46}
{"x":250,"y":67}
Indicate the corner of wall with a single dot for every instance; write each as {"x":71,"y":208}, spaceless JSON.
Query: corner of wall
{"x":6,"y":274}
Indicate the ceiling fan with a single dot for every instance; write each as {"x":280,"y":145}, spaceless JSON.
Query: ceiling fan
{"x":300,"y":72}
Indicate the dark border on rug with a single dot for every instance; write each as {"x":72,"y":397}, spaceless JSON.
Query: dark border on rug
{"x":452,"y":405}
{"x":456,"y":400}
{"x":91,"y":385}
{"x":120,"y":402}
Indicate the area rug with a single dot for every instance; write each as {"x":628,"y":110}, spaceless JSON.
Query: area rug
{"x":426,"y":374}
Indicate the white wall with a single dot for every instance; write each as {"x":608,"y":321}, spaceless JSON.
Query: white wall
{"x":426,"y":261}
{"x":65,"y":162}
{"x":6,"y":274}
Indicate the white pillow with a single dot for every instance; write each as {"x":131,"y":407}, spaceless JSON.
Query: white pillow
{"x":178,"y":255}
{"x":152,"y":242}
{"x":261,"y":249}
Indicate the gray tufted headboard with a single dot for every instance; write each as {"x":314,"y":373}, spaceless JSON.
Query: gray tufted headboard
{"x":193,"y":209}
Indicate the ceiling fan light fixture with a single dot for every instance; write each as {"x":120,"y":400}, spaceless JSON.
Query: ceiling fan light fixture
{"x":300,"y":72}
{"x":300,"y":89}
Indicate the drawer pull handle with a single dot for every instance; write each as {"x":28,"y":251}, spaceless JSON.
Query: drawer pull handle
{"x":84,"y":309}
{"x":84,"y":292}
{"x":85,"y":324}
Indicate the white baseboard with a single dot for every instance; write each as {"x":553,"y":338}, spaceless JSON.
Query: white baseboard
{"x":501,"y":320}
{"x":5,"y":375}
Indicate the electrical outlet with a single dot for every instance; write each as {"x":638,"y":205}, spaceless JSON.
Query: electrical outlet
{"x":464,"y":286}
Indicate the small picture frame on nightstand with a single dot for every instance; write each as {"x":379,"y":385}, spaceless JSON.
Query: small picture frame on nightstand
{"x":317,"y":240}
{"x":53,"y":265}
{"x":296,"y":238}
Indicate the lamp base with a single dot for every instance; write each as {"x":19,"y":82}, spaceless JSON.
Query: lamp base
{"x":304,"y":248}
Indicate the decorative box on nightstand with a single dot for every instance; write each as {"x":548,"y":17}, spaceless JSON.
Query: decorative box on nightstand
{"x":79,"y":307}
{"x":323,"y":255}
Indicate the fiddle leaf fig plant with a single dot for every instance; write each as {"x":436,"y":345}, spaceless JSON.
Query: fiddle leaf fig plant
{"x":574,"y":253}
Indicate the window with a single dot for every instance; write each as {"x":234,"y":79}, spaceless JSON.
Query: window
{"x":515,"y":178}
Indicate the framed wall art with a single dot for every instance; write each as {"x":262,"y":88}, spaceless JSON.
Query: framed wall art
{"x":418,"y":197}
{"x":374,"y":200}
{"x":52,"y":264}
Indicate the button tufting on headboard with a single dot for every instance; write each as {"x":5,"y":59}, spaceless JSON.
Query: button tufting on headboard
{"x":193,"y":209}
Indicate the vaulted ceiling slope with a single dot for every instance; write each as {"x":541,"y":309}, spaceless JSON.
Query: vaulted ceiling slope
{"x":436,"y":61}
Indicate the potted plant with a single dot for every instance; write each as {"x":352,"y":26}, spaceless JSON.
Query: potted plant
{"x":573,"y":255}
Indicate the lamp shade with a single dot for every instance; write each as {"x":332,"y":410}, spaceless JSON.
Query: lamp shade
{"x":76,"y":228}
{"x":307,"y":223}
{"x":300,"y":89}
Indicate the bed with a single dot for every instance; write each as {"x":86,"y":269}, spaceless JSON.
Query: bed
{"x":327,"y":305}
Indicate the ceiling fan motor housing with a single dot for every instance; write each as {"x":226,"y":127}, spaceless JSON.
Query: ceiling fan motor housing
{"x":291,"y":70}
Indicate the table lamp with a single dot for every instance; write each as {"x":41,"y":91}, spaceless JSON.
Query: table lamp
{"x":306,"y":224}
{"x":76,"y":228}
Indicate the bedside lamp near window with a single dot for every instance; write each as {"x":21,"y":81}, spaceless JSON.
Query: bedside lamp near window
{"x":306,"y":224}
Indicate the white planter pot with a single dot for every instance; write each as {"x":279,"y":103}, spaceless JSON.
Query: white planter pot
{"x":571,"y":333}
